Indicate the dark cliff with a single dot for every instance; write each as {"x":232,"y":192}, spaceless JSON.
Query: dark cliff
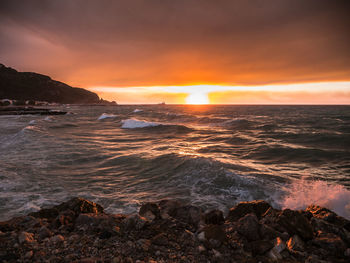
{"x":32,"y":86}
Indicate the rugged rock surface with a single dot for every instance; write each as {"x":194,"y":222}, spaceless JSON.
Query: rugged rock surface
{"x":168,"y":231}
{"x":32,"y":86}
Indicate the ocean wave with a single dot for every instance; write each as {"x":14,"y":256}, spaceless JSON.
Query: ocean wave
{"x":238,"y":123}
{"x":137,"y":110}
{"x":161,"y":128}
{"x":48,"y":118}
{"x":135,"y":124}
{"x":106,"y":116}
{"x":295,"y":153}
{"x":302,"y":193}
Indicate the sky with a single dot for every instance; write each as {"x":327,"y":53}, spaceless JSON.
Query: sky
{"x":185,"y":51}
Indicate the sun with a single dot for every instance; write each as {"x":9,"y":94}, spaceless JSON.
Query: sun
{"x":197,"y":98}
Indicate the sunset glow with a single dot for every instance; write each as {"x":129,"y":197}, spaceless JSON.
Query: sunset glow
{"x":235,"y":52}
{"x":197,"y":98}
{"x":304,"y":93}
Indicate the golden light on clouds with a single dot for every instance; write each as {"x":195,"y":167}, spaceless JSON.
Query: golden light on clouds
{"x":307,"y":93}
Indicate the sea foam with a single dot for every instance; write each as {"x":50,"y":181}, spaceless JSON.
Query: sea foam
{"x":135,"y":123}
{"x":137,"y":110}
{"x":302,"y":193}
{"x":106,"y":115}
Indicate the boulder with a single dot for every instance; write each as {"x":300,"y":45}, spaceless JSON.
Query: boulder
{"x":44,"y":232}
{"x":57,"y":239}
{"x":65,"y":218}
{"x":160,"y":239}
{"x":214,"y":217}
{"x":296,"y":244}
{"x":248,"y":226}
{"x":49,"y":213}
{"x":295,"y":223}
{"x":276,"y":251}
{"x":25,"y":237}
{"x":320,"y":225}
{"x":215,"y":235}
{"x":80,"y":205}
{"x":76,"y":205}
{"x":257,"y":207}
{"x":189,"y":214}
{"x":269,"y":233}
{"x":134,"y":222}
{"x":329,"y":216}
{"x":260,"y":247}
{"x":331,"y":243}
{"x":168,"y":208}
{"x":150,"y":211}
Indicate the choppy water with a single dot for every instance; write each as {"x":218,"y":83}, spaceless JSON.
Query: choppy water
{"x":212,"y":156}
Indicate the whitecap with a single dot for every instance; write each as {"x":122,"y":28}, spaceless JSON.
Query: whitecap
{"x":135,"y":123}
{"x":302,"y":193}
{"x":106,"y":115}
{"x":32,"y":122}
{"x":137,"y":110}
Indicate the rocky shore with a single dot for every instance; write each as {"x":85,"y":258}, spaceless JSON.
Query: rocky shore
{"x":169,"y":231}
{"x":29,"y":111}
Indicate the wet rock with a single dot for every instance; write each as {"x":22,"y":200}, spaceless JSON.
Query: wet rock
{"x":150,"y":211}
{"x":105,"y":234}
{"x":49,"y":213}
{"x":216,"y":254}
{"x":320,"y":225}
{"x":80,"y":205}
{"x":329,"y":216}
{"x":25,"y":237}
{"x":65,"y":218}
{"x":144,"y":244}
{"x":215,"y":235}
{"x":267,"y":232}
{"x":214,"y":217}
{"x":201,"y":249}
{"x":333,"y":244}
{"x":44,"y":232}
{"x":168,"y":208}
{"x":160,"y":239}
{"x":275,"y":252}
{"x":295,"y":243}
{"x":134,"y":222}
{"x":76,"y":205}
{"x":248,"y":226}
{"x":57,"y":239}
{"x":257,"y":207}
{"x":28,"y":255}
{"x":295,"y":224}
{"x":189,"y":214}
{"x":260,"y":247}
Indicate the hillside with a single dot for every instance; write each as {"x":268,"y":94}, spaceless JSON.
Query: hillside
{"x":33,"y":86}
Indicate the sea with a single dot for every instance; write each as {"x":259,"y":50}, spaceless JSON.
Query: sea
{"x":212,"y":156}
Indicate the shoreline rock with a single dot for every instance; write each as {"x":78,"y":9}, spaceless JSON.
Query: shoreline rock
{"x":167,"y":231}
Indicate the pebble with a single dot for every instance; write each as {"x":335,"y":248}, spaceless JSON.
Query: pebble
{"x":29,"y":254}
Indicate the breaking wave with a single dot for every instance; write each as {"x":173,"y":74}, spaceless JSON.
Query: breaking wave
{"x":106,"y":116}
{"x":135,"y":124}
{"x":302,"y":193}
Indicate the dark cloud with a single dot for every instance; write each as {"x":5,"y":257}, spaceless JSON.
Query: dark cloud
{"x":155,"y":42}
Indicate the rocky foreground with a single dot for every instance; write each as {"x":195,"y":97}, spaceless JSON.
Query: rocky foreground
{"x":169,"y":231}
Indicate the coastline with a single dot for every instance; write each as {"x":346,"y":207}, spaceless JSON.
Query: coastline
{"x":169,"y":231}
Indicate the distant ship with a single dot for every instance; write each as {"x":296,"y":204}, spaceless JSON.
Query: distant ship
{"x":162,"y":103}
